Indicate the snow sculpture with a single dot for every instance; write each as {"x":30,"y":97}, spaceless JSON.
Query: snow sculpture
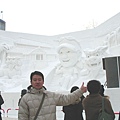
{"x":3,"y":51}
{"x":111,"y":39}
{"x":113,"y":42}
{"x":10,"y":74}
{"x":63,"y":76}
{"x":118,"y":35}
{"x":10,"y":68}
{"x":93,"y":64}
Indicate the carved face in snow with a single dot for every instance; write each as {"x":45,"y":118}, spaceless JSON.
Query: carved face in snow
{"x":68,"y":57}
{"x":94,"y":57}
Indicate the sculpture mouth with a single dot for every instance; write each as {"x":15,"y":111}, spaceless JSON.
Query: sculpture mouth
{"x":95,"y":64}
{"x":66,"y":60}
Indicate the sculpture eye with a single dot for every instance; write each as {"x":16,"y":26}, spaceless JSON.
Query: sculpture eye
{"x":68,"y":51}
{"x":97,"y":54}
{"x":88,"y":56}
{"x":60,"y":52}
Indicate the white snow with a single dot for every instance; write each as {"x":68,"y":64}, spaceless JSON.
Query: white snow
{"x":88,"y":39}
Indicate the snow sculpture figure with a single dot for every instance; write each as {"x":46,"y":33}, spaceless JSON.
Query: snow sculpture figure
{"x":118,"y":35}
{"x":3,"y":50}
{"x":10,"y":74}
{"x":111,"y":39}
{"x":113,"y":42}
{"x":10,"y":68}
{"x":93,"y":68}
{"x":63,"y":76}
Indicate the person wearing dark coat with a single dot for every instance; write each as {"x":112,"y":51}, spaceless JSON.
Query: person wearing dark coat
{"x":92,"y":103}
{"x":23,"y":92}
{"x":74,"y":111}
{"x":1,"y":102}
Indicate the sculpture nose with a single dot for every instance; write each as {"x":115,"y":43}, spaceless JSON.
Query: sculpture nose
{"x":64,"y":56}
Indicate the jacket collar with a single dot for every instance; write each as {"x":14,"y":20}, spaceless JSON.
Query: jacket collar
{"x":94,"y":95}
{"x":33,"y":90}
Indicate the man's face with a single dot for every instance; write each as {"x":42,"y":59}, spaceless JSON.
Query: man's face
{"x":37,"y":81}
{"x":68,"y":57}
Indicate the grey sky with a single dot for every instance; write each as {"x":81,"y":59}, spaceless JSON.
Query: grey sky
{"x":51,"y":17}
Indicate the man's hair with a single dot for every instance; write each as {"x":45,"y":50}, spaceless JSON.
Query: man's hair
{"x":93,"y":86}
{"x":36,"y":73}
{"x":74,"y":88}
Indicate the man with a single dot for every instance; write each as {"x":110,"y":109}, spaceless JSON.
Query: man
{"x":92,"y":104}
{"x":30,"y":102}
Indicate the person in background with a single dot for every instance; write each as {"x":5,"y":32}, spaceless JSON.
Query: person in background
{"x":74,"y":111}
{"x":23,"y":92}
{"x":1,"y":103}
{"x":92,"y":104}
{"x":30,"y":102}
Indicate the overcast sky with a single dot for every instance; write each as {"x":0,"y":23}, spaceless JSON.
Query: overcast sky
{"x":52,"y":17}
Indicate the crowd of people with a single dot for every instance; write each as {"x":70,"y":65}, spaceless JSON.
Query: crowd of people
{"x":40,"y":104}
{"x":37,"y":103}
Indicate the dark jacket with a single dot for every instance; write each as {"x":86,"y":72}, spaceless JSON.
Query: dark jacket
{"x":92,"y":105}
{"x":74,"y":111}
{"x":1,"y":101}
